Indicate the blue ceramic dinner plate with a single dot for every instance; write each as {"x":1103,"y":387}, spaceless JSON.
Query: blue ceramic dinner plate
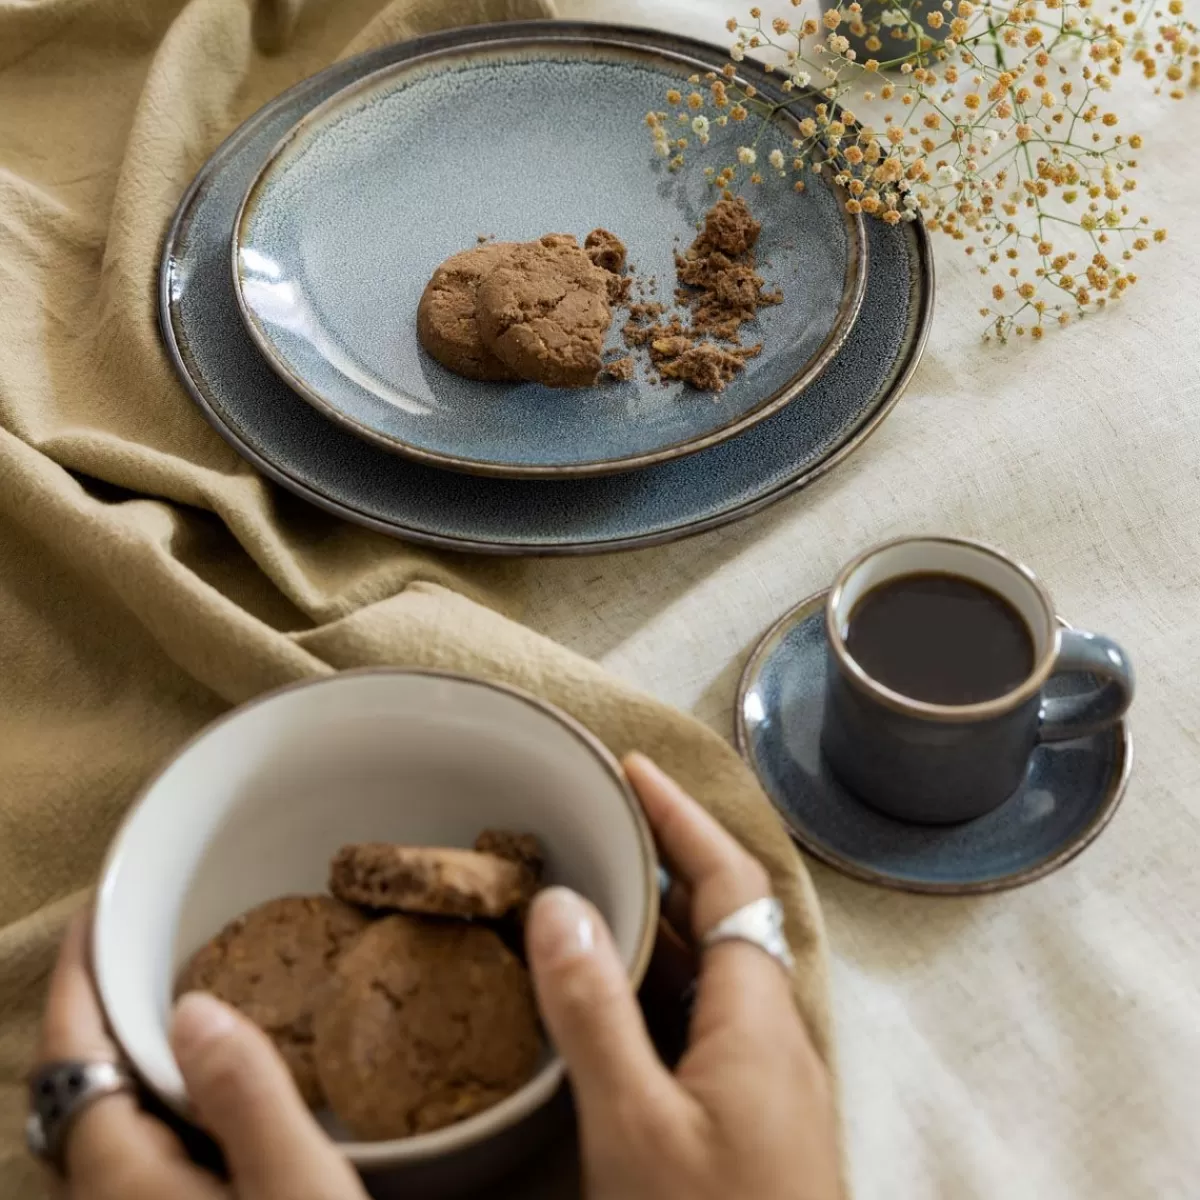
{"x":369,"y":192}
{"x":318,"y":459}
{"x":1069,"y":795}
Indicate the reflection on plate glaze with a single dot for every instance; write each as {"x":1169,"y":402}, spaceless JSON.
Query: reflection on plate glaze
{"x":282,"y":304}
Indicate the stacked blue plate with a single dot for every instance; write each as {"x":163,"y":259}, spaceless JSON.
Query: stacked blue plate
{"x":292,"y":270}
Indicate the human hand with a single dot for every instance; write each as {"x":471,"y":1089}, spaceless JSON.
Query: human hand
{"x":237,"y":1082}
{"x":748,"y":1112}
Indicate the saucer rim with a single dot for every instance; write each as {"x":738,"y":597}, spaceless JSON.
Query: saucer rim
{"x":809,"y":608}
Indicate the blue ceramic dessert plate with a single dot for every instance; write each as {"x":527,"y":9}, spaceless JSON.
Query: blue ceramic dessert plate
{"x":368,"y":193}
{"x":1070,"y":792}
{"x":318,"y":459}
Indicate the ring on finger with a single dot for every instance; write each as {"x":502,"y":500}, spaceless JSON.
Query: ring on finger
{"x":760,"y":923}
{"x":58,"y":1093}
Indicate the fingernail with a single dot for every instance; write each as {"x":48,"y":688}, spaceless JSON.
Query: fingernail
{"x":645,"y":765}
{"x":560,"y":925}
{"x":641,"y":762}
{"x":199,"y":1019}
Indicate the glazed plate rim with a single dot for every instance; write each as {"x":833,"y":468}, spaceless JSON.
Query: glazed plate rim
{"x":854,"y":284}
{"x":855,"y":869}
{"x":908,"y":355}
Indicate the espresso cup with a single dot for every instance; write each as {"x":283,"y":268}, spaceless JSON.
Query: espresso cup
{"x":941,"y":763}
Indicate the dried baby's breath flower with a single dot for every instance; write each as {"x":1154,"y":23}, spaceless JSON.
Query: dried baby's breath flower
{"x":1000,"y":141}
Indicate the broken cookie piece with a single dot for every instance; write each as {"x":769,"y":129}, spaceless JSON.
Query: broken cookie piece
{"x":721,"y":291}
{"x":429,"y":879}
{"x":521,"y":848}
{"x":607,"y":251}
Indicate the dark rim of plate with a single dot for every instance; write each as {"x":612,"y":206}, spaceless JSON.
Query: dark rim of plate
{"x":805,"y":610}
{"x":713,"y":56}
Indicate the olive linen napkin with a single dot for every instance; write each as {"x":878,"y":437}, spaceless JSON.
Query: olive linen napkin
{"x":149,"y":578}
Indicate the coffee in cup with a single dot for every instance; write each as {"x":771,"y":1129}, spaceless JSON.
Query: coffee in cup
{"x":939,"y":652}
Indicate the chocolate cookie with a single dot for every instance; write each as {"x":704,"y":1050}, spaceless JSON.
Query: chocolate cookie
{"x":446,"y":324}
{"x":427,"y":1023}
{"x":429,"y":879}
{"x":543,"y":310}
{"x":521,"y":848}
{"x":272,"y":963}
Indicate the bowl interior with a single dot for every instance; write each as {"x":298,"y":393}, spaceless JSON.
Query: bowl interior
{"x":256,"y":806}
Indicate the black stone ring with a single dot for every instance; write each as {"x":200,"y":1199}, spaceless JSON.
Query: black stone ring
{"x":58,"y":1093}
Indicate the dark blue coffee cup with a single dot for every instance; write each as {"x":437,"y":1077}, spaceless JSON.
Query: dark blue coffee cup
{"x":938,"y":763}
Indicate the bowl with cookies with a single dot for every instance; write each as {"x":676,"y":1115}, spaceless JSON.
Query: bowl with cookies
{"x":348,"y":861}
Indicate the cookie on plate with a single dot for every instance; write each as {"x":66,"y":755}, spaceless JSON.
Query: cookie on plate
{"x":427,"y":1023}
{"x":446,"y":324}
{"x":543,"y":311}
{"x":272,"y":963}
{"x":429,"y":879}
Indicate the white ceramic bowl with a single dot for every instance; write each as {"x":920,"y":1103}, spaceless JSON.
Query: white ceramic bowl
{"x":257,"y":804}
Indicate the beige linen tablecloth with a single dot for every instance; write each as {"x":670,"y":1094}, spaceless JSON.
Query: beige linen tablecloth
{"x":148,"y":578}
{"x":1041,"y":1043}
{"x":1044,"y":1042}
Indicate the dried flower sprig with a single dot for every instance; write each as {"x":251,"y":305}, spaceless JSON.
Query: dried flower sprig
{"x":996,"y":128}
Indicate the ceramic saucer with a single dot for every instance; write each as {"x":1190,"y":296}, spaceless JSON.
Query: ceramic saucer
{"x":1070,"y":792}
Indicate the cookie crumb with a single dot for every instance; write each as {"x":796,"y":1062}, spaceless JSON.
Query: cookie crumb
{"x":730,"y":227}
{"x":719,"y":289}
{"x":621,"y":370}
{"x":606,"y":250}
{"x":707,"y":366}
{"x":716,"y":273}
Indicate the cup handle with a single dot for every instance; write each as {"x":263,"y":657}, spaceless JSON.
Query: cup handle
{"x":1069,"y":717}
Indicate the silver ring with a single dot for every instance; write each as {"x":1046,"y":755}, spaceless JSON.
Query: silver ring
{"x":58,"y":1093}
{"x":761,"y":924}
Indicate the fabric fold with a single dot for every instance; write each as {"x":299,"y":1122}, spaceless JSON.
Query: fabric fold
{"x":150,"y":579}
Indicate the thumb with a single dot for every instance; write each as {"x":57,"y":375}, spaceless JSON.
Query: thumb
{"x":244,"y":1096}
{"x":589,"y":1008}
